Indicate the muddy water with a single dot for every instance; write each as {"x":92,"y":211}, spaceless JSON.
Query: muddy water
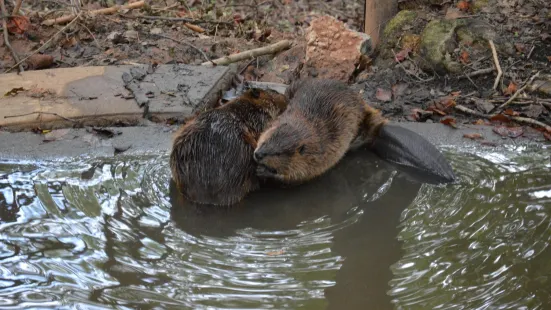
{"x":112,"y":233}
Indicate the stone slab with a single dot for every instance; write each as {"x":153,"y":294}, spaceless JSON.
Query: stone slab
{"x":97,"y":95}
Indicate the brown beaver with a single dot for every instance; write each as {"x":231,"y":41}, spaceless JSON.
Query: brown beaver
{"x":212,"y":154}
{"x":324,"y":120}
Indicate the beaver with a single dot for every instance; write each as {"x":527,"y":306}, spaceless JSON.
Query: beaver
{"x":324,"y":120}
{"x":211,"y":160}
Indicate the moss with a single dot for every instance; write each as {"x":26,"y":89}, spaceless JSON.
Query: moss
{"x":437,"y":42}
{"x":479,"y":5}
{"x":395,"y":25}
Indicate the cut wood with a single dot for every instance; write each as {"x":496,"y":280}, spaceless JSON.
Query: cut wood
{"x":111,"y":10}
{"x":377,"y":14}
{"x":270,"y":49}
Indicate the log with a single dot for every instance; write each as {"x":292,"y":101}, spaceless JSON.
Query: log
{"x":377,"y":14}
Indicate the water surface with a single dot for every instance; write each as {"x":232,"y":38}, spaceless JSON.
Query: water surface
{"x":113,"y":233}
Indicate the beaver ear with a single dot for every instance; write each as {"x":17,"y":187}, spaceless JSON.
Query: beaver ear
{"x":301,"y":149}
{"x":255,"y":93}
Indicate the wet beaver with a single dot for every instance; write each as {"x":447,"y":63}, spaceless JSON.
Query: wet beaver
{"x":324,"y":120}
{"x":212,"y":154}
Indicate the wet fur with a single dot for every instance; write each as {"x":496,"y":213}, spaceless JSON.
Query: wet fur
{"x":323,"y":119}
{"x":212,"y":155}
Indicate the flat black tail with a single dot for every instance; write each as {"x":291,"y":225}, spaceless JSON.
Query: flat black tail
{"x":408,"y":149}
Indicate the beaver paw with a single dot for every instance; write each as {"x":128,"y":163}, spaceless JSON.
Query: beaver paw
{"x":266,"y":172}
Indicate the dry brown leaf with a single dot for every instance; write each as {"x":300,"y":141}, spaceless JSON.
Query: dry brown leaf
{"x":399,"y":89}
{"x":450,"y":121}
{"x":18,"y":24}
{"x":512,"y":132}
{"x":510,"y":112}
{"x":401,"y":55}
{"x":383,"y":95}
{"x":473,"y":136}
{"x":463,"y":5}
{"x":549,"y":58}
{"x":547,"y":136}
{"x":40,"y":61}
{"x":453,"y":13}
{"x":511,"y":89}
{"x":500,"y":118}
{"x":479,"y":122}
{"x":437,"y":111}
{"x":464,"y":57}
{"x":195,"y":28}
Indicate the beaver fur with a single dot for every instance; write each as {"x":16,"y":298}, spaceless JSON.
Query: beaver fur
{"x":212,"y":154}
{"x":324,"y":120}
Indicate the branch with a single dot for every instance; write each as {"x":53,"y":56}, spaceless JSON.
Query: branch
{"x":111,"y":10}
{"x":16,"y":8}
{"x":6,"y":36}
{"x":515,"y":95}
{"x":496,"y":61}
{"x":270,"y":49}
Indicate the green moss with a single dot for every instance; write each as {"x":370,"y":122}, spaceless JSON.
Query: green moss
{"x":396,"y":24}
{"x":479,"y":5}
{"x":437,"y":42}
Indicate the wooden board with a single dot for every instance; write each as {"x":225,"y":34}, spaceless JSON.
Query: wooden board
{"x":96,"y":95}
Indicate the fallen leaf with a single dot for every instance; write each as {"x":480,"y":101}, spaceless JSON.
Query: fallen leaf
{"x":399,"y":89}
{"x":18,"y":24}
{"x":419,"y":115}
{"x":453,"y":13}
{"x":521,"y":48}
{"x":450,"y":121}
{"x":547,"y":136}
{"x":434,"y":109}
{"x":549,"y":58}
{"x":383,"y":95}
{"x":472,"y":136}
{"x":500,"y":118}
{"x":444,"y":103}
{"x":480,"y":122}
{"x":511,"y":89}
{"x":505,"y":131}
{"x":534,"y":111}
{"x":510,"y":112}
{"x":55,"y":135}
{"x":195,"y":28}
{"x":464,"y":57}
{"x":455,"y":93}
{"x":401,"y":55}
{"x":463,"y":5}
{"x":14,"y":91}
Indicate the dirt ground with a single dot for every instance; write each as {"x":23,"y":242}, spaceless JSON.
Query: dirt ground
{"x":394,"y":80}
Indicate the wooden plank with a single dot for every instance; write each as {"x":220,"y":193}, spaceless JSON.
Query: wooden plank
{"x":377,"y":14}
{"x":96,"y":95}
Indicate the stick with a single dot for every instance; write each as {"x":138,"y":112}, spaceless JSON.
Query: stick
{"x":49,"y":113}
{"x":496,"y":61}
{"x":515,"y":95}
{"x":478,"y":72}
{"x":16,"y":8}
{"x":6,"y":36}
{"x":270,"y":49}
{"x":111,"y":10}
{"x":188,"y":44}
{"x":518,"y":119}
{"x":180,"y":19}
{"x":45,"y":44}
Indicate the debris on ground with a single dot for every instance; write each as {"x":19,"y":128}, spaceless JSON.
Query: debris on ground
{"x":459,"y":63}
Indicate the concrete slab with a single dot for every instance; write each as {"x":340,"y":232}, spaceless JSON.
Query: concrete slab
{"x":97,"y":95}
{"x":156,"y":138}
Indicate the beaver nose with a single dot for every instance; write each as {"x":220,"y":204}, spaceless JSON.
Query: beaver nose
{"x":259,"y":155}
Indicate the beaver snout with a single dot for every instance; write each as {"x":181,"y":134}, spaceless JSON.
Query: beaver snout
{"x":259,"y":155}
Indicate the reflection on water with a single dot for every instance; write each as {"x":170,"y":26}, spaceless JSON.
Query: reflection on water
{"x":101,"y":232}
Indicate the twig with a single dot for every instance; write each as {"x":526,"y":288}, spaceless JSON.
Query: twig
{"x":477,"y":73}
{"x":111,"y":10}
{"x":496,"y":62}
{"x":180,"y":19}
{"x":45,"y":44}
{"x":6,"y":36}
{"x":190,"y":45}
{"x":515,"y":95}
{"x":17,"y":7}
{"x":531,"y":51}
{"x":270,"y":49}
{"x":518,"y":119}
{"x":49,"y":113}
{"x":409,"y":73}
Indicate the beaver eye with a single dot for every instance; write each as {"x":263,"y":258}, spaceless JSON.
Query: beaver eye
{"x":301,"y":149}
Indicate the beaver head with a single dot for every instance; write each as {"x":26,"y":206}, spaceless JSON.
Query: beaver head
{"x":268,"y":99}
{"x":288,"y":151}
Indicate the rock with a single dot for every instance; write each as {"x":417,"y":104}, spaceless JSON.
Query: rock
{"x":332,"y":49}
{"x":437,"y":44}
{"x":479,"y":33}
{"x":395,"y":37}
{"x":156,"y":31}
{"x":131,"y":35}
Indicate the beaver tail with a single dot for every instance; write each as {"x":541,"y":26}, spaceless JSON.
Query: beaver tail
{"x":408,"y":149}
